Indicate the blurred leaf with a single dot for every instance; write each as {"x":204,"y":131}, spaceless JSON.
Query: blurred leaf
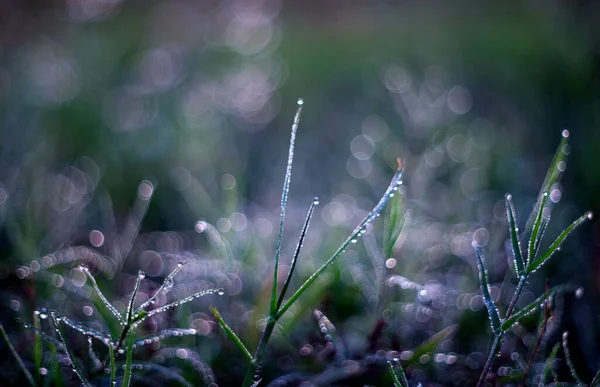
{"x":17,"y":357}
{"x":431,"y":343}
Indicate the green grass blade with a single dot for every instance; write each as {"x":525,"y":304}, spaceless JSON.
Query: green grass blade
{"x":429,"y":345}
{"x":104,"y":338}
{"x":555,"y":246}
{"x":513,"y":230}
{"x":165,"y":287}
{"x":37,"y":347}
{"x":515,"y":318}
{"x":552,"y":176}
{"x":130,"y":308}
{"x":129,"y":360}
{"x":113,"y":368}
{"x":56,"y":319}
{"x":390,"y":192}
{"x":540,"y":236}
{"x":230,"y":333}
{"x":537,"y":231}
{"x":398,"y":382}
{"x":110,"y":307}
{"x":487,"y":299}
{"x":393,"y":228}
{"x":284,"y":198}
{"x":565,"y":343}
{"x":17,"y":357}
{"x":286,"y":284}
{"x":330,"y":334}
{"x":548,"y":367}
{"x":185,"y":300}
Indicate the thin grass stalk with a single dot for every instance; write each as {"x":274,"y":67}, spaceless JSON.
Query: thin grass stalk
{"x":78,"y":371}
{"x":230,"y":333}
{"x":129,"y":361}
{"x":17,"y":357}
{"x":496,"y":345}
{"x":111,"y":354}
{"x":37,"y":348}
{"x":398,"y":382}
{"x":286,"y":284}
{"x":284,"y":198}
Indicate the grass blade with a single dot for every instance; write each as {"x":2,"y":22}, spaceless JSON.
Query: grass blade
{"x":396,"y":180}
{"x":56,"y":319}
{"x":398,"y":382}
{"x":288,"y":279}
{"x":37,"y":347}
{"x":487,"y":299}
{"x":141,"y":275}
{"x":284,"y":198}
{"x":104,"y":338}
{"x":515,"y":318}
{"x":165,"y":287}
{"x":548,"y":367}
{"x":330,"y":334}
{"x":565,"y":343}
{"x":136,"y":216}
{"x":110,"y":307}
{"x":164,"y":334}
{"x":230,"y":333}
{"x":555,"y":246}
{"x":513,"y":230}
{"x":17,"y":357}
{"x":129,"y":361}
{"x":431,"y":343}
{"x":113,"y":368}
{"x":185,"y":300}
{"x":552,"y":176}
{"x":538,"y":229}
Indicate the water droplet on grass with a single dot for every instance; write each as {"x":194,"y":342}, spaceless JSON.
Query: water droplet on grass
{"x":300,"y":102}
{"x":589,"y":215}
{"x":579,"y":292}
{"x":565,"y":133}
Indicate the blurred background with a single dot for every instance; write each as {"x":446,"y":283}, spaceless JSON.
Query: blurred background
{"x":138,"y":134}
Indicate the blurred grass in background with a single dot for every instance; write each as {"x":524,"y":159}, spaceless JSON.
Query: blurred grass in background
{"x":195,"y":99}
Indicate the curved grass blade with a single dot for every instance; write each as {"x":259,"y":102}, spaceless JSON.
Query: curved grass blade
{"x":286,"y":284}
{"x":129,"y":361}
{"x":548,"y":367}
{"x":565,"y":343}
{"x":104,"y":338}
{"x":396,"y":180}
{"x":110,"y":307}
{"x":143,"y":316}
{"x":555,"y":246}
{"x":515,"y":318}
{"x":431,"y":343}
{"x":17,"y":357}
{"x":164,"y":334}
{"x":552,"y":176}
{"x":487,"y":299}
{"x":284,"y":198}
{"x":398,"y":382}
{"x":513,"y":230}
{"x":44,"y":336}
{"x":330,"y":334}
{"x":230,"y":333}
{"x":56,"y":319}
{"x":537,"y":230}
{"x":393,"y":227}
{"x":141,"y":275}
{"x":165,"y":287}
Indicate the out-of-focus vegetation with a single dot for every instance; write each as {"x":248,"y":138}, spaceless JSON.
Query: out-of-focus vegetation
{"x":135,"y":135}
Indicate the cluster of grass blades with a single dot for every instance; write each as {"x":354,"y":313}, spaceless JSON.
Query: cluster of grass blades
{"x":114,"y":345}
{"x":278,"y":303}
{"x":526,"y":262}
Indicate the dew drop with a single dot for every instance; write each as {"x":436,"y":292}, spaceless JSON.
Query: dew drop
{"x":565,"y":133}
{"x":589,"y":215}
{"x":354,"y":240}
{"x":300,"y":102}
{"x":508,"y":197}
{"x":141,"y":275}
{"x":392,"y":195}
{"x":220,"y":292}
{"x":579,"y":292}
{"x":545,"y":194}
{"x":565,"y":335}
{"x":43,"y":371}
{"x":180,"y":264}
{"x":316,"y":201}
